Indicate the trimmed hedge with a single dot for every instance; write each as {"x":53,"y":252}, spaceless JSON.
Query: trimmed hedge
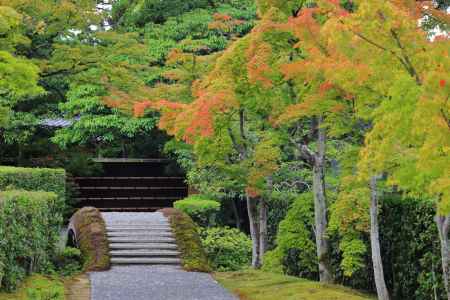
{"x":36,"y":179}
{"x":200,"y":209}
{"x":28,"y":234}
{"x":32,"y":179}
{"x":193,"y":256}
{"x":89,"y":231}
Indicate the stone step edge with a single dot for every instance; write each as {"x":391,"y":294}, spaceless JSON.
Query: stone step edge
{"x":136,"y":246}
{"x":144,"y":253}
{"x":149,"y":261}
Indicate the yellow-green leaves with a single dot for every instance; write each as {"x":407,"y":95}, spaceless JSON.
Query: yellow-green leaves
{"x":18,"y":77}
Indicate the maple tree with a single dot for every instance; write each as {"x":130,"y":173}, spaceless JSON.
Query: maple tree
{"x":389,"y":88}
{"x":226,"y":125}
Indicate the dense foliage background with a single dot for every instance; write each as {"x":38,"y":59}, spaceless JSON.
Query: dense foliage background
{"x":297,"y":117}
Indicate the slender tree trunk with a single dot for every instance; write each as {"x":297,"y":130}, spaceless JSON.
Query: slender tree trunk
{"x":380,"y":283}
{"x":254,"y":231}
{"x":320,"y":206}
{"x":262,"y":228}
{"x":19,"y":155}
{"x":443,"y":223}
{"x":237,"y":218}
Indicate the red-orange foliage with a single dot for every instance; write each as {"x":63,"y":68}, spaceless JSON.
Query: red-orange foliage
{"x":258,"y":55}
{"x":189,"y":121}
{"x":224,"y":23}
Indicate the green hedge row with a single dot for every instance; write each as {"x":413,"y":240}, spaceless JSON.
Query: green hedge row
{"x":33,"y":179}
{"x":28,"y":231}
{"x":36,"y":179}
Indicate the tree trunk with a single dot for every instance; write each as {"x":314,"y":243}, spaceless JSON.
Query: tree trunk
{"x":262,"y":228}
{"x":237,"y":217}
{"x":254,"y":231}
{"x":380,"y":283}
{"x":442,"y":223}
{"x":320,"y":206}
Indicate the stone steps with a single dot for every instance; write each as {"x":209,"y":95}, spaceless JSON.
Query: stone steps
{"x":137,"y":228}
{"x":145,"y":253}
{"x":144,"y":246}
{"x":144,"y":238}
{"x":140,"y":233}
{"x":145,"y":261}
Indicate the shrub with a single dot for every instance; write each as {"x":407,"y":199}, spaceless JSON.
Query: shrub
{"x":28,"y":235}
{"x":193,"y":256}
{"x":201,"y":210}
{"x":228,"y":249}
{"x":68,"y":261}
{"x":295,"y":253}
{"x":89,"y":232}
{"x":36,"y":179}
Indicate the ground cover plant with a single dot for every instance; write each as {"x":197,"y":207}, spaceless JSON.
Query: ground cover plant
{"x":37,"y":287}
{"x":258,"y":285}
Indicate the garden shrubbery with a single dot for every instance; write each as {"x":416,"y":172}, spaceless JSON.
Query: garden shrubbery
{"x":28,"y":234}
{"x":36,"y":179}
{"x":295,"y":253}
{"x":202,"y":210}
{"x":410,"y":250}
{"x":68,"y":261}
{"x":33,"y":179}
{"x":228,"y":249}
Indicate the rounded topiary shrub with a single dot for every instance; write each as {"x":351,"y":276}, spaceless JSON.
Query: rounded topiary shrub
{"x":228,"y":249}
{"x":202,"y":210}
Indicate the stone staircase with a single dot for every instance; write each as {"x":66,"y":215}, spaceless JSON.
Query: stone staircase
{"x":140,"y":238}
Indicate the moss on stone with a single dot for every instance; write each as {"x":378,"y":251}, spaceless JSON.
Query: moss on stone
{"x":193,"y":256}
{"x":90,"y":232}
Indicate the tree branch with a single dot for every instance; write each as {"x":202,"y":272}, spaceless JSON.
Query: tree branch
{"x":406,"y":61}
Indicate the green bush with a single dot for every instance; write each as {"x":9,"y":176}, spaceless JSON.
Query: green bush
{"x":28,"y":234}
{"x":192,"y":255}
{"x":68,"y":261}
{"x":228,"y":249}
{"x":295,"y":253}
{"x":36,"y":179}
{"x":201,"y":210}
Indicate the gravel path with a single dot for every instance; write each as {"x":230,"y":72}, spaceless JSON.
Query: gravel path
{"x":155,"y":283}
{"x":145,"y":282}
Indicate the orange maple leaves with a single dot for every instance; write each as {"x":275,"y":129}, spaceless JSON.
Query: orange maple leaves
{"x":224,"y":23}
{"x":189,"y":121}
